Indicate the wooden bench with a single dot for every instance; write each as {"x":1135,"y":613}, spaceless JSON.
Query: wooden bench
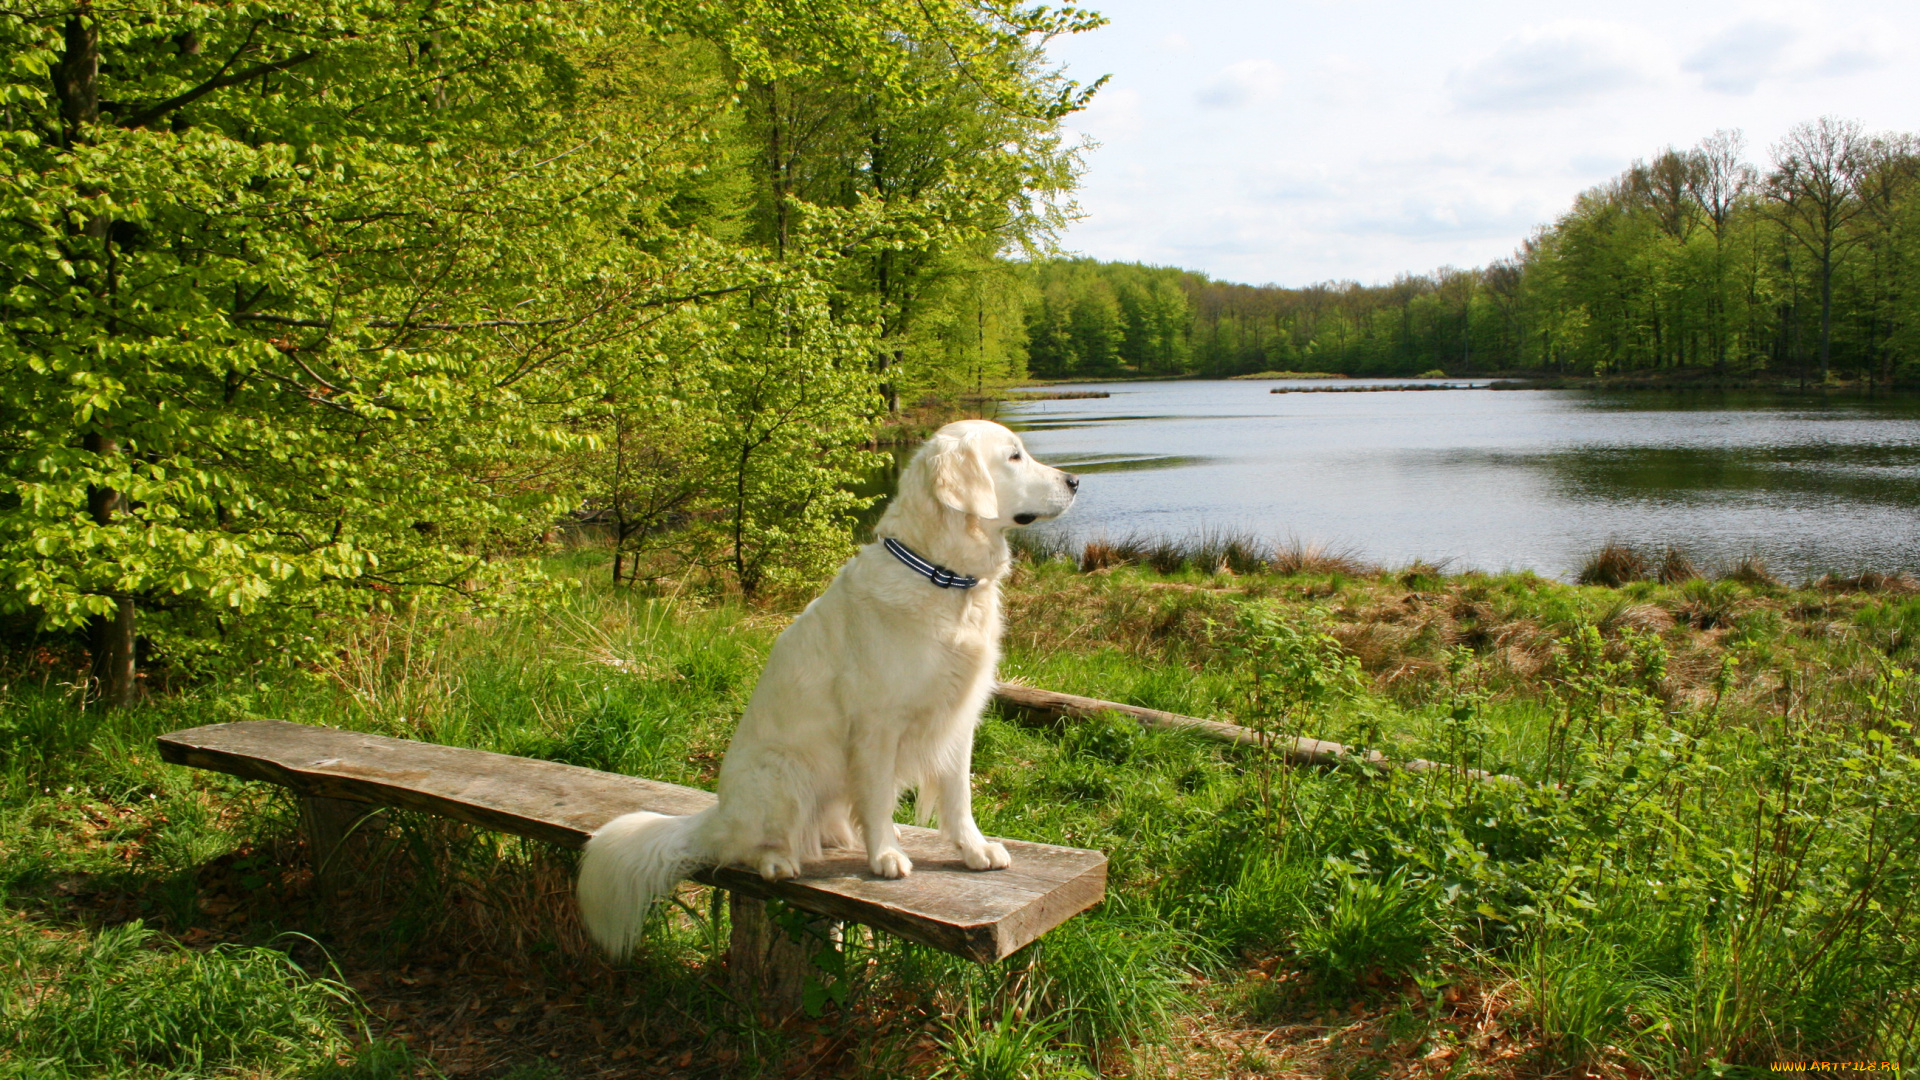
{"x":342,"y":776}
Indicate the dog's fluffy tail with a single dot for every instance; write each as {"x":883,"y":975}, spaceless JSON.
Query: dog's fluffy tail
{"x":632,"y":861}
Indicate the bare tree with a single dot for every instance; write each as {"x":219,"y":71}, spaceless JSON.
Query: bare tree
{"x":1815,"y":189}
{"x":1719,"y":179}
{"x":1664,"y":186}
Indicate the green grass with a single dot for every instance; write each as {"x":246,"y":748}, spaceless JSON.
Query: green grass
{"x":1707,"y":863}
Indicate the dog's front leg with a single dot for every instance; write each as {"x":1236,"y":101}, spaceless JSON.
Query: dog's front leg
{"x":953,"y":800}
{"x":875,"y":793}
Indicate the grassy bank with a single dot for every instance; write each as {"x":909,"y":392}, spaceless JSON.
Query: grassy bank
{"x":1707,"y":863}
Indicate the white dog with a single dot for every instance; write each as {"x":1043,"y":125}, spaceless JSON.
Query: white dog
{"x":875,"y":688}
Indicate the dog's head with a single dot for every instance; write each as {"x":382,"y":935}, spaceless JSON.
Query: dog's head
{"x":984,"y":471}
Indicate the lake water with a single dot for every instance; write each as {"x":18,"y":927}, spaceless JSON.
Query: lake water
{"x":1496,"y":479}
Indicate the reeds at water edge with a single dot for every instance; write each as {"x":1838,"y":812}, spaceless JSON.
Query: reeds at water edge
{"x":1207,"y":551}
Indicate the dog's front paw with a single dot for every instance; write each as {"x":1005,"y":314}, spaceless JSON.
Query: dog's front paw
{"x":985,"y":855}
{"x":892,"y":863}
{"x":777,"y":867}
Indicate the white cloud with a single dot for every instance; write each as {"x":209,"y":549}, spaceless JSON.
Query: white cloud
{"x":1736,"y":59}
{"x":1375,"y":137}
{"x":1562,"y":65}
{"x":1295,"y":184}
{"x":1249,"y":82}
{"x":1844,"y":61}
{"x":1445,"y":216}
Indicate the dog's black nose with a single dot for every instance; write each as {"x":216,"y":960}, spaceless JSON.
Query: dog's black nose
{"x":1073,"y":482}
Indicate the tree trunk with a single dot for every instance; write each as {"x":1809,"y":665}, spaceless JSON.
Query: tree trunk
{"x":111,"y":641}
{"x":1826,"y":315}
{"x":78,"y":78}
{"x":109,"y":637}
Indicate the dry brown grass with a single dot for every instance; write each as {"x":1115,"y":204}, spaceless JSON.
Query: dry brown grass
{"x":1752,"y":570}
{"x":1296,"y":557}
{"x":1676,"y":568}
{"x":1403,"y":625}
{"x":1269,"y":1023}
{"x":1614,"y":565}
{"x":1870,"y":582}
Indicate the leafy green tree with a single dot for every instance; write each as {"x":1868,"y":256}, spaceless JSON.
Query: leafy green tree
{"x":790,"y":396}
{"x":308,"y":307}
{"x":270,"y":333}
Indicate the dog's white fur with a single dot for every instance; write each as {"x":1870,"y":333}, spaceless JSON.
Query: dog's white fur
{"x":875,"y":688}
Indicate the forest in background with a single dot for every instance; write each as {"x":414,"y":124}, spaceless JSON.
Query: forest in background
{"x":1698,"y":259}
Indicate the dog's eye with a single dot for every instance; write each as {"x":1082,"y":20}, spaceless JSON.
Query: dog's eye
{"x":1015,"y":457}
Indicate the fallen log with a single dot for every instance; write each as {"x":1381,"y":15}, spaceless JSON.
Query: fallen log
{"x":1296,"y":750}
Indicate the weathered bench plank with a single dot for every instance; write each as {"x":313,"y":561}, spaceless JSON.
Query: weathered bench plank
{"x":981,"y":916}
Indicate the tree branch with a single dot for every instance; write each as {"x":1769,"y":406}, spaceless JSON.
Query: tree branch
{"x":154,"y":112}
{"x":485,"y":324}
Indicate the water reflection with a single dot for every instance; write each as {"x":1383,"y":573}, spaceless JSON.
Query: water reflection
{"x":1081,"y":421}
{"x":1105,"y":464}
{"x":1887,"y":475}
{"x":1498,"y":479}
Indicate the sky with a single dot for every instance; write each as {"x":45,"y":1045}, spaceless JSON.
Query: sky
{"x":1318,"y":140}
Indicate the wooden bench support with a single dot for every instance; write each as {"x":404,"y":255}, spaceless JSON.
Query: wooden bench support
{"x":766,"y":967}
{"x":342,"y":775}
{"x":329,"y":825}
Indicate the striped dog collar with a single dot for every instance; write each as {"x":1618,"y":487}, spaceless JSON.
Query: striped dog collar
{"x":934,"y":572}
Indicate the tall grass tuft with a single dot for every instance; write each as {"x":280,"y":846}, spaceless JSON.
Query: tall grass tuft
{"x":1369,"y":925}
{"x":1614,"y":565}
{"x":1297,"y":557}
{"x":1259,"y":908}
{"x":1676,"y":568}
{"x":1114,"y":978}
{"x":1207,"y":551}
{"x":1040,"y":546}
{"x":121,"y":1000}
{"x":1577,"y":994}
{"x":1014,"y":1046}
{"x":1752,"y":570}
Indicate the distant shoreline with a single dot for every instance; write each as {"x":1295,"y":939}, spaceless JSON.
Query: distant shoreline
{"x":1512,"y":380}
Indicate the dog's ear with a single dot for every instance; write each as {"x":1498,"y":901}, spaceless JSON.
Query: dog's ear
{"x":961,"y":480}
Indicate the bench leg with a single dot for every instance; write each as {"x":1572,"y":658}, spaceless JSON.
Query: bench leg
{"x":328,"y":823}
{"x":764,"y":965}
